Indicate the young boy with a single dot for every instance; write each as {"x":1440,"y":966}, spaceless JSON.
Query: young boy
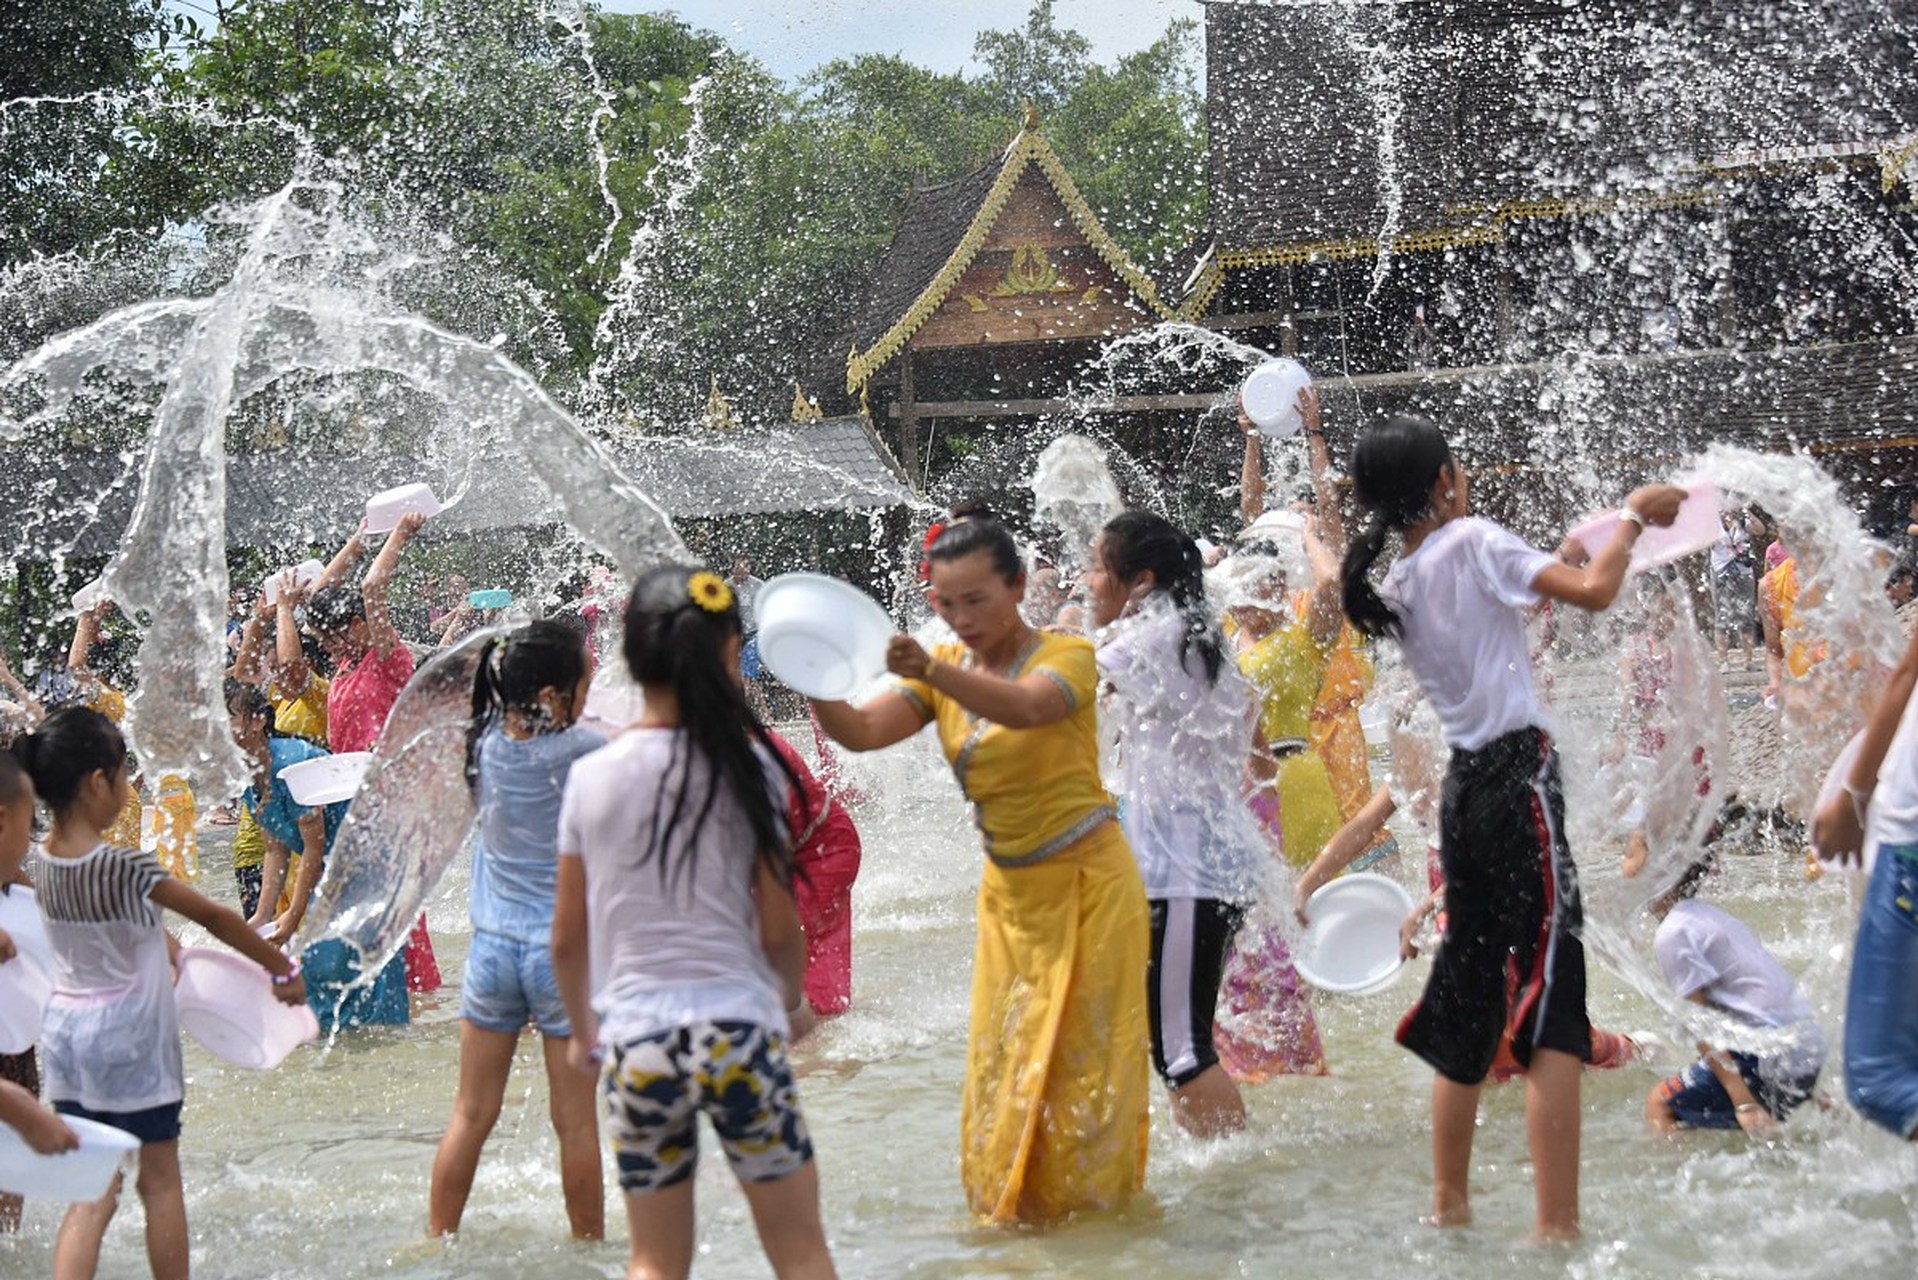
{"x":1710,"y":956}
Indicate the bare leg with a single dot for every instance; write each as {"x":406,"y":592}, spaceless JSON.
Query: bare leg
{"x":1209,"y":1105}
{"x":164,"y":1199}
{"x":661,"y":1223}
{"x":10,"y":1207}
{"x":573,"y":1102}
{"x":1551,"y":1123}
{"x":1659,"y":1114}
{"x":486,"y":1059}
{"x":1454,"y":1124}
{"x":76,"y":1250}
{"x":786,"y":1211}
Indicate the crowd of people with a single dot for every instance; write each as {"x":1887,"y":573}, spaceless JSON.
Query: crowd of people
{"x":662,"y":892}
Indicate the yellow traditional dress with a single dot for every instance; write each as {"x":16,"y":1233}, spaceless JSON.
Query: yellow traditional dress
{"x":127,"y":829}
{"x":1058,"y":1082}
{"x":1286,"y":669}
{"x":1336,"y":734}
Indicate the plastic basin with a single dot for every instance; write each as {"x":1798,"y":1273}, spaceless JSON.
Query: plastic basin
{"x":492,"y":598}
{"x":78,"y":1175}
{"x":327,"y":780}
{"x":822,"y":637}
{"x":26,"y":981}
{"x":226,"y":1002}
{"x":383,"y":510}
{"x":306,"y":573}
{"x":1695,"y":530}
{"x":1352,"y":946}
{"x":1270,"y":396}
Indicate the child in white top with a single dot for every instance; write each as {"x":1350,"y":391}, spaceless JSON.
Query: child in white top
{"x":111,"y":1040}
{"x":1713,"y":958}
{"x":1453,"y":600}
{"x":676,"y":941}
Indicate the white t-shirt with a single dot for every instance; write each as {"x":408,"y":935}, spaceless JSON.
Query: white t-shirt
{"x":1459,"y":596}
{"x":1183,"y":743}
{"x":1705,"y":949}
{"x":663,"y":957}
{"x":1894,"y":801}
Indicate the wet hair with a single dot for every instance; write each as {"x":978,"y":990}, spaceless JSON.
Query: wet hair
{"x":1692,"y":879}
{"x":973,"y":528}
{"x":675,"y":640}
{"x":72,"y":744}
{"x":334,"y":609}
{"x":1134,"y":542}
{"x":511,"y":672}
{"x":13,"y":778}
{"x":248,"y":700}
{"x":1394,"y":466}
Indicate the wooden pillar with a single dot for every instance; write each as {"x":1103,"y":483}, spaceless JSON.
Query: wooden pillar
{"x":905,"y":409}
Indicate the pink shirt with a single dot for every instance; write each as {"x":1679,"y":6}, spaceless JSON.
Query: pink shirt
{"x":362,"y":696}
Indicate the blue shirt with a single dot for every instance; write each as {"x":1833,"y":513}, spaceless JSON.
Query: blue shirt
{"x":516,"y":858}
{"x":280,"y":816}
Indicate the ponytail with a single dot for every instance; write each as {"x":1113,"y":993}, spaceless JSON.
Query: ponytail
{"x":73,"y":744}
{"x":678,"y":623}
{"x":486,"y":709}
{"x":1360,"y":599}
{"x":511,"y":673}
{"x":1135,"y":542}
{"x":1394,"y":467}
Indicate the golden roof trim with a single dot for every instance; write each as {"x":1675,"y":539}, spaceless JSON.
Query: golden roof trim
{"x":1028,"y":147}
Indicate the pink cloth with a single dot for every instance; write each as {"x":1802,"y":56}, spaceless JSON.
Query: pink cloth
{"x":1264,"y":1026}
{"x":825,"y":864}
{"x":362,"y":696}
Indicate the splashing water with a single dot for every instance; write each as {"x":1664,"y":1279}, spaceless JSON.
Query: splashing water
{"x":1073,"y":491}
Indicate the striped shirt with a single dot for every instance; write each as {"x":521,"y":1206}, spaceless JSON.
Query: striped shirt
{"x":105,"y":886}
{"x":111,"y":1041}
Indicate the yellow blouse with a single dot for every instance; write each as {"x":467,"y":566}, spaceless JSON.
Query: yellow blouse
{"x":1033,"y":791}
{"x":304,"y":716}
{"x":1287,"y":669}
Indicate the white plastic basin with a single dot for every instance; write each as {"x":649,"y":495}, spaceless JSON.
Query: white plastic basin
{"x":305,"y":573}
{"x":82,"y":1174}
{"x":383,"y":510}
{"x":327,"y":780}
{"x":226,"y":1002}
{"x":1270,"y":396}
{"x":1695,"y":530}
{"x":822,"y":637}
{"x":26,"y":981}
{"x":1352,"y":945}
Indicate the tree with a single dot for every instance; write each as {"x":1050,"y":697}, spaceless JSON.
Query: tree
{"x":1042,"y":64}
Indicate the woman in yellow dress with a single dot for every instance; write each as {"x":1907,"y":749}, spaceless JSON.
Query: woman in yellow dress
{"x":1054,"y":1116}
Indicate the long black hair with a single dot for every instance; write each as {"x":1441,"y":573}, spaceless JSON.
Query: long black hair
{"x":1134,"y":542}
{"x":512,"y":670}
{"x":1394,"y":466}
{"x":974,"y":528}
{"x":678,"y":622}
{"x":67,"y":749}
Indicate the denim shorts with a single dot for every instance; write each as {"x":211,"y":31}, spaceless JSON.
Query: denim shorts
{"x":1881,"y":1015}
{"x":1699,"y":1101}
{"x":509,"y":983}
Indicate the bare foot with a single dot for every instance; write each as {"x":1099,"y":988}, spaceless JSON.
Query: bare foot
{"x":1452,"y":1216}
{"x":1555,"y":1235}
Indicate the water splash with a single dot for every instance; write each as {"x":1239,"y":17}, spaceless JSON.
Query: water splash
{"x":1073,"y":491}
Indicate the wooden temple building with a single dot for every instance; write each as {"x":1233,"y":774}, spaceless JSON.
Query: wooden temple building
{"x":1629,"y":226}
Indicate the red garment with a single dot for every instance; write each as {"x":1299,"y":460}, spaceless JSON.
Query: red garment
{"x":422,"y":969}
{"x":362,"y":696}
{"x":825,"y":862}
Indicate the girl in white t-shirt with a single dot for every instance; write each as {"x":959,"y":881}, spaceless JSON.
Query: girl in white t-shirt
{"x":1454,"y":600}
{"x":676,"y":941}
{"x":1184,"y":717}
{"x":111,"y":1042}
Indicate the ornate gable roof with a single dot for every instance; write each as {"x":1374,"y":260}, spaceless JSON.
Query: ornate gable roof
{"x":942,"y":231}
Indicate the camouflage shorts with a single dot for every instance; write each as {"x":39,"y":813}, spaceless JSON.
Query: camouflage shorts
{"x":736,"y":1072}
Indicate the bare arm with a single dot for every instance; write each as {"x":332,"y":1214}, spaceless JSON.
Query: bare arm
{"x":340,"y":567}
{"x":1594,"y":586}
{"x":273,"y":865}
{"x":1838,"y":828}
{"x":312,"y":863}
{"x":20,"y":692}
{"x":1251,"y":472}
{"x":381,"y":634}
{"x":224,"y":923}
{"x":86,"y":634}
{"x":43,"y":1130}
{"x":1325,"y":609}
{"x":878,"y":722}
{"x":294,"y":674}
{"x":1325,"y":494}
{"x":780,"y":936}
{"x":1025,"y":703}
{"x":1345,"y":846}
{"x":247,"y":667}
{"x":570,"y":961}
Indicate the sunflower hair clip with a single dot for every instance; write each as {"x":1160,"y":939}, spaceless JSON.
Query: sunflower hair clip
{"x":710,"y":591}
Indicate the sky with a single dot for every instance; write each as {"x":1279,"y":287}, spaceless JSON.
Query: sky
{"x":793,"y":36}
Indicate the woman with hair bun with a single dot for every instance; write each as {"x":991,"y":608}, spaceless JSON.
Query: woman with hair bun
{"x":1054,"y":1118}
